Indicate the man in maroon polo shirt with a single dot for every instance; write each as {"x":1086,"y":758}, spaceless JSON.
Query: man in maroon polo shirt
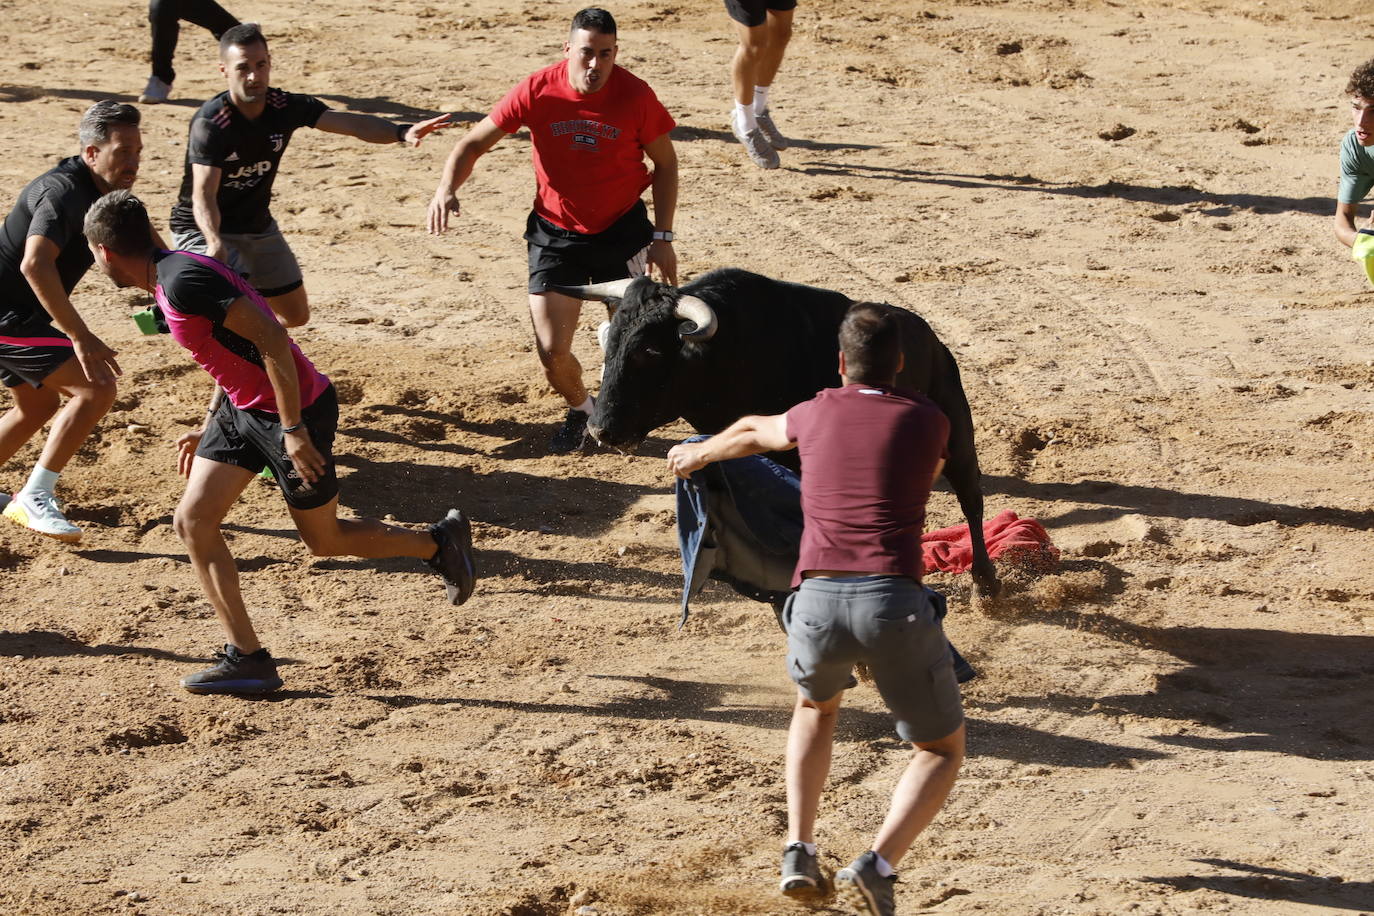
{"x":869,"y":455}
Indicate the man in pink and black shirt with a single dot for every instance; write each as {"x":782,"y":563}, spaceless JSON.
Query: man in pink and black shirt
{"x":277,"y":411}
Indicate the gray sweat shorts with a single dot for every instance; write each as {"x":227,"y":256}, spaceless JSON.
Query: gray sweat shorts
{"x":888,"y":623}
{"x":263,"y":258}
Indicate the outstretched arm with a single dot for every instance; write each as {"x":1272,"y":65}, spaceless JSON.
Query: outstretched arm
{"x":746,"y":436}
{"x":457,"y":170}
{"x":661,"y":253}
{"x":373,"y":129}
{"x":1345,"y":223}
{"x":39,"y":267}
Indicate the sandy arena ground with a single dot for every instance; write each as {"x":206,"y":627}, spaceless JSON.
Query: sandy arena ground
{"x":1116,"y":214}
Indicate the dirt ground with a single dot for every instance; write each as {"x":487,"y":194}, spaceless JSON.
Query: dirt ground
{"x":1118,"y":217}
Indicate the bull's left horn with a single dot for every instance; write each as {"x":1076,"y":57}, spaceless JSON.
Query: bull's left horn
{"x":702,"y":316}
{"x":599,"y":292}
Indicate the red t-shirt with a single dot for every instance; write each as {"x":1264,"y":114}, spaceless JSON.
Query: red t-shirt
{"x":588,"y":149}
{"x":868,"y":456}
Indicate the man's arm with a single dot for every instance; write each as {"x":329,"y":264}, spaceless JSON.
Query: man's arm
{"x":372,"y":129}
{"x":248,"y":321}
{"x":39,"y":267}
{"x":1345,"y":222}
{"x":746,"y":436}
{"x":664,"y":157}
{"x":205,"y":181}
{"x":458,"y":168}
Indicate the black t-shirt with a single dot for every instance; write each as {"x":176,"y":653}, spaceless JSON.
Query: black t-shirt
{"x":54,"y":206}
{"x":247,"y":153}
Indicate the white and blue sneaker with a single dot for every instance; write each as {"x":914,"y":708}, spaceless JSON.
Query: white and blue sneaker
{"x":38,"y":510}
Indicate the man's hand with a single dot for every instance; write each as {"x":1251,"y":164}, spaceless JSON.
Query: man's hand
{"x":97,"y":360}
{"x":187,"y":443}
{"x":439,"y":209}
{"x":423,"y":129}
{"x":664,"y":257}
{"x":306,"y":459}
{"x":687,"y":457}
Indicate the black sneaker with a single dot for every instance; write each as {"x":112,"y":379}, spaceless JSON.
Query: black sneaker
{"x":801,"y":873}
{"x":862,"y":888}
{"x":571,"y":434}
{"x":453,"y":560}
{"x":236,"y":673}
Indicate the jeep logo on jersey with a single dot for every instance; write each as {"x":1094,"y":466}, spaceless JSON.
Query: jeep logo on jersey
{"x":278,"y":141}
{"x":256,"y":170}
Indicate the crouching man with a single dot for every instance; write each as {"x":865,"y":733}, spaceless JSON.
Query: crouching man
{"x":277,"y":411}
{"x":869,"y":454}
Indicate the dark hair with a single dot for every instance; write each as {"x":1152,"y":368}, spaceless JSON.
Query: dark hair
{"x":594,"y":20}
{"x":871,"y":340}
{"x":119,"y":221}
{"x":1362,"y":81}
{"x":241,"y":36}
{"x":94,"y":129}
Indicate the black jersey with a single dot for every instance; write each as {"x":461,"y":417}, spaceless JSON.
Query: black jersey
{"x":247,"y":153}
{"x":54,"y":206}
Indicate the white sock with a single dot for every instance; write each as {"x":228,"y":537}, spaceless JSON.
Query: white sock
{"x":882,"y":866}
{"x":586,"y":406}
{"x":747,"y":118}
{"x":41,"y":479}
{"x":760,"y":99}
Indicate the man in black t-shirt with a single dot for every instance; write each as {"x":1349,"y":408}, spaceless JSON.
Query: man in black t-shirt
{"x":46,"y":350}
{"x":236,"y":142}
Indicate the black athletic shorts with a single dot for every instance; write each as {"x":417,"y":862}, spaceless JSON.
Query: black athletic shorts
{"x":252,"y":439}
{"x":755,"y":12}
{"x":561,"y":257}
{"x":29,"y":352}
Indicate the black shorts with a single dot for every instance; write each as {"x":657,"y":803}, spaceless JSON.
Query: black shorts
{"x":755,"y":12}
{"x":561,"y":257}
{"x":252,"y":439}
{"x":29,"y":353}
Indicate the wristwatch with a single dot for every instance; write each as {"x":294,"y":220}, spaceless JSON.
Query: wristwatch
{"x":663,"y":236}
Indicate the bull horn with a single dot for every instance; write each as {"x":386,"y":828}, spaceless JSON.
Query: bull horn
{"x":599,"y":292}
{"x":702,"y":317}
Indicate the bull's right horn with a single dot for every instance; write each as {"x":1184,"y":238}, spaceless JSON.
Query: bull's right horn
{"x":702,"y":316}
{"x":599,"y":292}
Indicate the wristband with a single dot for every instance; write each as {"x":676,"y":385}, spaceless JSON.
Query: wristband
{"x":665,"y":236}
{"x":401,"y":130}
{"x":292,"y":429}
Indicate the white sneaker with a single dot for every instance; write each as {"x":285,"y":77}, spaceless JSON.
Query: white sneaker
{"x":155,"y":92}
{"x":770,"y":131}
{"x":39,"y":511}
{"x":755,"y":143}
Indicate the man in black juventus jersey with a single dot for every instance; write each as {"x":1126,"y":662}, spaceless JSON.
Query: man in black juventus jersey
{"x":236,"y":143}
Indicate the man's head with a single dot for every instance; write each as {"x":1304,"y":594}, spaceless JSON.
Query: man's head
{"x":245,"y":63}
{"x":120,"y":235}
{"x":1361,"y":92}
{"x":870,"y":344}
{"x":590,"y":50}
{"x":111,"y":144}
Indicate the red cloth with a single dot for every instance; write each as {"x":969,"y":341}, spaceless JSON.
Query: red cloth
{"x":1009,"y":537}
{"x":588,"y":149}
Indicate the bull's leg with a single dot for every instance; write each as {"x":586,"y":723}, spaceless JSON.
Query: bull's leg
{"x":966,"y":479}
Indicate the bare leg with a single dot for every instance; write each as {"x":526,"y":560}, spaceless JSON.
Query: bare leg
{"x":86,"y":403}
{"x":292,"y":308}
{"x":920,"y":794}
{"x":779,"y":28}
{"x":554,"y":317}
{"x":212,"y":488}
{"x":32,"y":408}
{"x":327,"y":535}
{"x":748,"y":60}
{"x":809,"y":741}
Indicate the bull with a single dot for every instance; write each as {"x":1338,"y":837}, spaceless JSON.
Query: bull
{"x":732,"y":343}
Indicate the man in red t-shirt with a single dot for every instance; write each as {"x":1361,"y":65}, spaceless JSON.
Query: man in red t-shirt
{"x":591,"y":124}
{"x":869,"y":455}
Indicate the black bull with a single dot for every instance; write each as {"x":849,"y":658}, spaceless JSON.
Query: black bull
{"x":769,"y":346}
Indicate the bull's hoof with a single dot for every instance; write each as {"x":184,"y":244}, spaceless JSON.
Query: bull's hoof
{"x":986,"y":589}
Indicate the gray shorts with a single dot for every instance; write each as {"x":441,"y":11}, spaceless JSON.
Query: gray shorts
{"x":263,"y":258}
{"x":889,"y":624}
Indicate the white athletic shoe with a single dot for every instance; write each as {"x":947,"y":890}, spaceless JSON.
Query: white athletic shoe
{"x":155,"y":92}
{"x":755,"y":143}
{"x":39,"y":511}
{"x":770,"y":131}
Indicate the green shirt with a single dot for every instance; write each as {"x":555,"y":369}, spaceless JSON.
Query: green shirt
{"x":1357,"y":170}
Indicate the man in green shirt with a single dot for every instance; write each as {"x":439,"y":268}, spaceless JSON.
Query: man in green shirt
{"x":1357,"y":165}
